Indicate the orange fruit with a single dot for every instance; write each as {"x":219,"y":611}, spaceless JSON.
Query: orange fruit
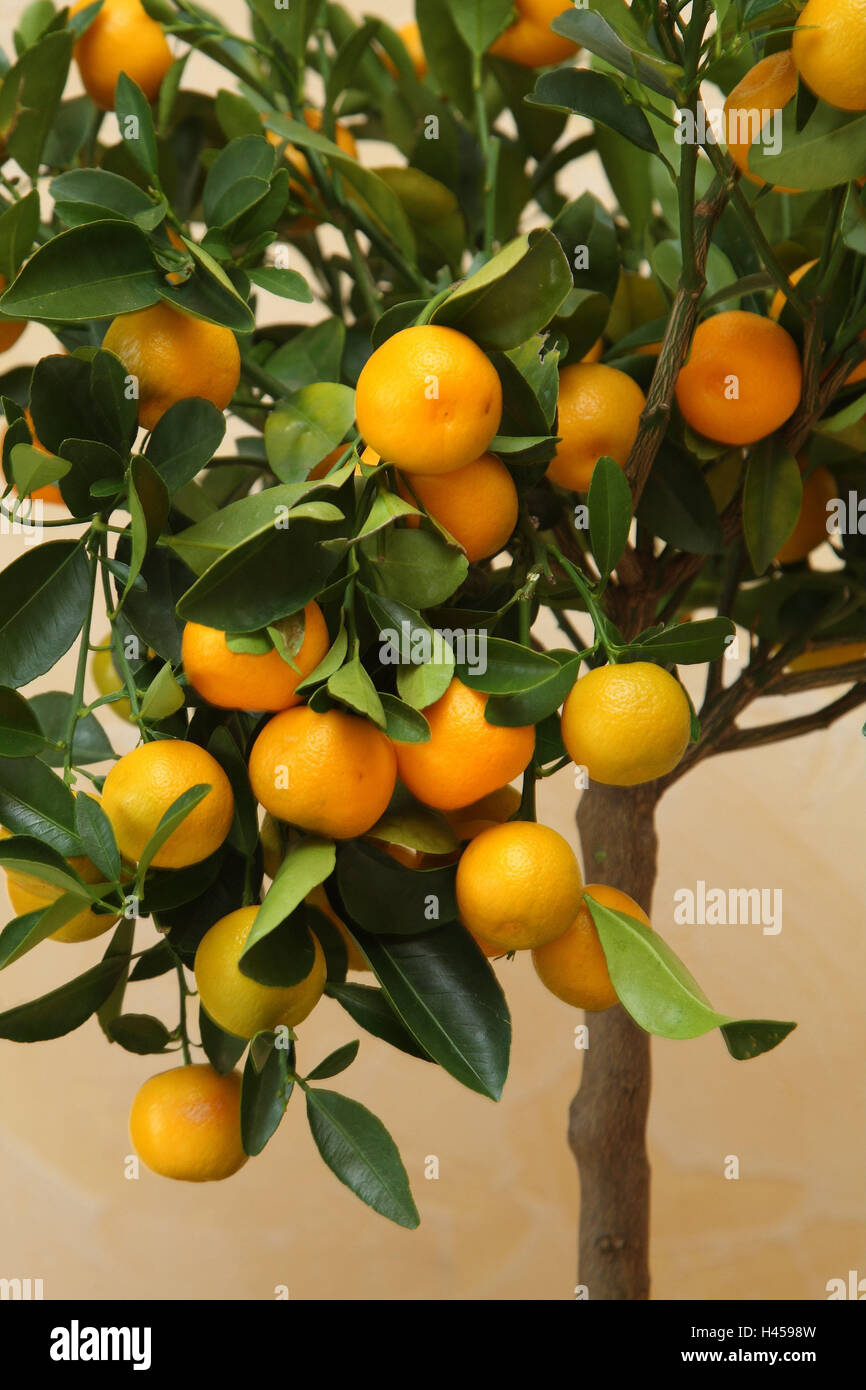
{"x":429,"y":400}
{"x":518,"y":885}
{"x":779,"y":299}
{"x":186,"y":1124}
{"x":530,"y":41}
{"x":811,"y":529}
{"x":243,"y":1006}
{"x":142,"y":786}
{"x":10,"y":329}
{"x":743,"y":378}
{"x":825,"y":657}
{"x":355,"y":959}
{"x":626,"y":724}
{"x":411,"y":36}
{"x":476,"y":504}
{"x":765,"y":89}
{"x":122,"y":38}
{"x":493,"y":809}
{"x":465,"y":756}
{"x":599,"y":414}
{"x":243,"y":680}
{"x":595,"y":352}
{"x":331,"y":773}
{"x":573,"y":967}
{"x":174,"y":356}
{"x":829,"y":47}
{"x":29,"y":893}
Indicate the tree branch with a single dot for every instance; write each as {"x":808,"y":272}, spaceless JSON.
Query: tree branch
{"x":766,"y":734}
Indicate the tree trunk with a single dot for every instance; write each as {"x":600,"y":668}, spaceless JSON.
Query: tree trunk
{"x":607,"y":1119}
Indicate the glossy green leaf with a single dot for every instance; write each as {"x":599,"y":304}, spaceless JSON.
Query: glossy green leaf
{"x":301,"y":431}
{"x":265,"y":1093}
{"x":185,"y":439}
{"x":335,"y":1062}
{"x":610,"y":513}
{"x":359,"y":1150}
{"x":598,"y":97}
{"x":306,"y":864}
{"x":135,"y":120}
{"x":20,"y":734}
{"x":44,"y":596}
{"x":504,"y":668}
{"x":97,"y":836}
{"x":772,"y":500}
{"x":64,"y":1009}
{"x":139,"y":1033}
{"x":386,"y":897}
{"x":513,"y":296}
{"x":369,"y":1008}
{"x":223,"y":1050}
{"x":92,"y":272}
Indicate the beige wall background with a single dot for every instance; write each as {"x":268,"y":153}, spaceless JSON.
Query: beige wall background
{"x":500,"y":1220}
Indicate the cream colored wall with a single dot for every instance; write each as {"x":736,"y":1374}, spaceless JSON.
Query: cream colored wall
{"x":500,"y":1220}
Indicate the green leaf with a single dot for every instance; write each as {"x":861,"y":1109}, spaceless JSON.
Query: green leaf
{"x":34,"y":801}
{"x":513,"y":296}
{"x":155,"y":961}
{"x":611,"y":31}
{"x":199,"y":546}
{"x":185,"y":439}
{"x":288,"y":284}
{"x":446,"y":994}
{"x":829,"y":150}
{"x":223,"y":1050}
{"x":313,"y":355}
{"x":97,"y":836}
{"x":537,"y":702}
{"x":447,"y":56}
{"x":301,"y":431}
{"x":209,"y":293}
{"x":689,"y":643}
{"x":20,"y":734}
{"x":163,"y":696}
{"x":352,"y":686}
{"x":508,"y":667}
{"x":91,"y":272}
{"x":252,"y":585}
{"x":30,"y":96}
{"x":369,"y":1008}
{"x":228,"y":189}
{"x":480,"y":22}
{"x":265,"y":1093}
{"x":307,"y":863}
{"x":245,"y":830}
{"x":384,"y":896}
{"x":22,"y":853}
{"x":678,"y":507}
{"x":610,"y":513}
{"x":336,"y":1062}
{"x":23,"y":933}
{"x":418,"y":567}
{"x":598,"y":97}
{"x":169,"y":822}
{"x":403,"y":722}
{"x":134,"y":118}
{"x":655,"y":987}
{"x":89,"y":743}
{"x":747,"y":1038}
{"x":19,"y":225}
{"x":361,"y":1153}
{"x":44,"y":597}
{"x":139,"y":1033}
{"x":772,"y":500}
{"x":149,"y":508}
{"x":64,"y":1009}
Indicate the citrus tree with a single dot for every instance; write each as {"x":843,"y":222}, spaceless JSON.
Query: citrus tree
{"x":321,"y":622}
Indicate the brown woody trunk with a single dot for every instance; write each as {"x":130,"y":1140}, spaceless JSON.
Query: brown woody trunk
{"x":607,"y":1119}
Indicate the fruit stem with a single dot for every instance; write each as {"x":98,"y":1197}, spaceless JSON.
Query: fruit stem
{"x":182,"y":1025}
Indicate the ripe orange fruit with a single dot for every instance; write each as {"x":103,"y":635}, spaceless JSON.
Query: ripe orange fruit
{"x":242,"y":680}
{"x":599,"y":414}
{"x":142,"y":786}
{"x":626,"y":724}
{"x":518,"y":885}
{"x":411,"y":36}
{"x":355,"y":959}
{"x":10,"y":329}
{"x":174,"y":356}
{"x":122,"y":38}
{"x":493,"y":809}
{"x":595,"y":352}
{"x":428,"y":400}
{"x":829,"y":47}
{"x":824,"y":657}
{"x":186,"y":1124}
{"x":331,"y":773}
{"x":28,"y":893}
{"x":573,"y":967}
{"x":779,"y":299}
{"x":743,"y":378}
{"x":243,"y":1006}
{"x":464,"y":756}
{"x":530,"y":41}
{"x":476,"y":504}
{"x":765,"y":89}
{"x":811,"y":529}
